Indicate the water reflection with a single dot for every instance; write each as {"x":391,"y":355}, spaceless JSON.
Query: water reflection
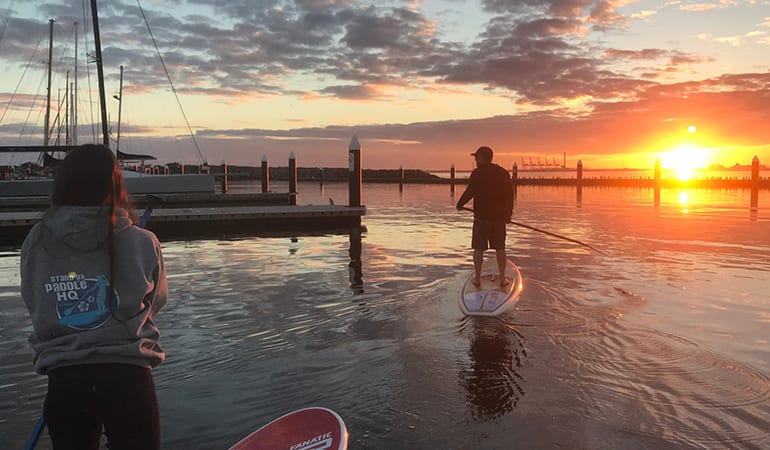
{"x":579,"y":196}
{"x":684,"y":199}
{"x":662,"y":344}
{"x":356,"y":273}
{"x":492,"y":381}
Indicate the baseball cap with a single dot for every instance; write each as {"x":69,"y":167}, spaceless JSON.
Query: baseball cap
{"x":484,"y":152}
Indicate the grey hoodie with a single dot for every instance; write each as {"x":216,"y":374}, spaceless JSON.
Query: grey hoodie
{"x":65,"y":285}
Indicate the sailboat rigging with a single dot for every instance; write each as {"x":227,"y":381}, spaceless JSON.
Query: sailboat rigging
{"x":47,"y":149}
{"x":100,"y":73}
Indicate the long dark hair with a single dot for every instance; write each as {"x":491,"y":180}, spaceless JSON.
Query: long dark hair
{"x":90,"y":176}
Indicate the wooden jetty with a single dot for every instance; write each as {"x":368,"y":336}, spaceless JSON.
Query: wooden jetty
{"x":210,"y":215}
{"x":217,"y":222}
{"x":173,"y":200}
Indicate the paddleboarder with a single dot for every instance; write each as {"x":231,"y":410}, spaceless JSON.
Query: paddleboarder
{"x":93,"y":282}
{"x":490,"y":188}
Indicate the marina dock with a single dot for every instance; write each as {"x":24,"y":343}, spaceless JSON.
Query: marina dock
{"x":200,"y":212}
{"x":216,"y":222}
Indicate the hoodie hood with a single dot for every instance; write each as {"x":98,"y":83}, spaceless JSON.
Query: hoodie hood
{"x":81,"y":227}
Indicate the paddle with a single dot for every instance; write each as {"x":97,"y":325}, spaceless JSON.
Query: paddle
{"x":152,"y":201}
{"x":529,"y":227}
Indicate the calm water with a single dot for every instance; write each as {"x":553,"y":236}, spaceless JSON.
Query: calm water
{"x":661,"y":343}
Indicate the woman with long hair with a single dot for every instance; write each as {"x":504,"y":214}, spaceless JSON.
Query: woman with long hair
{"x":93,"y":283}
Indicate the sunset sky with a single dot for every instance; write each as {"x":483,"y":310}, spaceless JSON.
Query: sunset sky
{"x":421,"y":84}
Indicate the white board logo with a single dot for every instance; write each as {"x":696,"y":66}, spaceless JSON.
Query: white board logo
{"x":320,"y":442}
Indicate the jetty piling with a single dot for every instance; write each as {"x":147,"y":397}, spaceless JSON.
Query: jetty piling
{"x":224,"y":178}
{"x":580,"y":173}
{"x":755,"y":171}
{"x":355,"y":172}
{"x":515,"y":180}
{"x":754,"y":187}
{"x":292,"y":179}
{"x":656,"y":184}
{"x":265,"y":175}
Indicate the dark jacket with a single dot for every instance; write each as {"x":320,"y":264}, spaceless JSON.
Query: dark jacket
{"x":491,"y":191}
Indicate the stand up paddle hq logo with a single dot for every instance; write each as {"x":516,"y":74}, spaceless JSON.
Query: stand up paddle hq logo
{"x":81,"y":302}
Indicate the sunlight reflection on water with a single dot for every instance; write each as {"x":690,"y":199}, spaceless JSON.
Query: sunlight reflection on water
{"x":661,"y":343}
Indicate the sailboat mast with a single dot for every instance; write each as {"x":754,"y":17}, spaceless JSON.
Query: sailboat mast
{"x":75,"y":93}
{"x":67,"y":111}
{"x":46,"y":134}
{"x":100,"y":74}
{"x":120,"y":108}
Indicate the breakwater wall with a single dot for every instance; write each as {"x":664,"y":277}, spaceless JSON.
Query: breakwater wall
{"x":416,"y":176}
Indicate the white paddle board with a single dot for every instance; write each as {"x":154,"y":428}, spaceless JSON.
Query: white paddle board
{"x":305,"y":429}
{"x":491,"y":299}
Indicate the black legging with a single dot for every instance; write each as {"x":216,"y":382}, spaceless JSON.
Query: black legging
{"x":83,"y":398}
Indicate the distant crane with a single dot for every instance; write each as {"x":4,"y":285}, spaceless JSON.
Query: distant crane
{"x":538,"y":162}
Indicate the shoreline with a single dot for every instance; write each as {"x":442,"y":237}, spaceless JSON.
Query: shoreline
{"x":419,"y":176}
{"x":523,"y":178}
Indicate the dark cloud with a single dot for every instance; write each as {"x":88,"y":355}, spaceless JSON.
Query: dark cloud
{"x":533,"y":51}
{"x":357,"y":92}
{"x":644,"y":54}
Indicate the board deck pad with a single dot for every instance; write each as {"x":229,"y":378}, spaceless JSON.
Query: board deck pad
{"x":305,"y":429}
{"x":490,"y":299}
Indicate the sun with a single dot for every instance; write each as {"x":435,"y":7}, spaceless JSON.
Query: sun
{"x":685,"y":160}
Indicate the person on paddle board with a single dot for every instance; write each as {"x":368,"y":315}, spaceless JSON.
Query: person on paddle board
{"x":490,"y":188}
{"x":93,"y":282}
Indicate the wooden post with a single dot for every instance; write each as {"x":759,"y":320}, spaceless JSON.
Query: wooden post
{"x":181,"y":168}
{"x":754,"y":187}
{"x":292,"y":179}
{"x":401,"y":174}
{"x":265,"y":175}
{"x":515,"y":179}
{"x":224,"y":178}
{"x":656,"y":183}
{"x":355,"y":171}
{"x":580,"y":172}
